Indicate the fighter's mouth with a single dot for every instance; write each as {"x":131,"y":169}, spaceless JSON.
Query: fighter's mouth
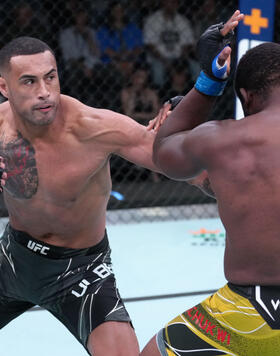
{"x":44,"y":108}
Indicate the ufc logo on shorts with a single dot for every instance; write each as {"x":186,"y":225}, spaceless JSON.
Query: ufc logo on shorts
{"x":83,"y":285}
{"x":37,"y":247}
{"x":102,"y":271}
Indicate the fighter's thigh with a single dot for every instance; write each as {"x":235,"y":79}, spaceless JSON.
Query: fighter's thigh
{"x":151,"y":349}
{"x":10,"y":309}
{"x":114,"y":338}
{"x":180,"y":338}
{"x":177,"y":340}
{"x":86,"y":306}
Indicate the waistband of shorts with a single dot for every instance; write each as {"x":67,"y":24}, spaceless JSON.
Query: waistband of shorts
{"x":249,"y":291}
{"x":246,"y":291}
{"x":55,"y":252}
{"x":264,"y":298}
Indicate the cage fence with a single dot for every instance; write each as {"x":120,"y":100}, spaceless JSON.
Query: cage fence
{"x":129,"y":56}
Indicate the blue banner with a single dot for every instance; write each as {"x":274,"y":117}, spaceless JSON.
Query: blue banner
{"x":258,"y":23}
{"x":257,"y":27}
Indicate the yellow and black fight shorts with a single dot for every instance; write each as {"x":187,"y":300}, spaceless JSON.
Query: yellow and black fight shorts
{"x":236,"y":321}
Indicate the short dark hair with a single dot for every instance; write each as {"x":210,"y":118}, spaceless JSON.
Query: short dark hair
{"x":21,"y":46}
{"x":259,"y":69}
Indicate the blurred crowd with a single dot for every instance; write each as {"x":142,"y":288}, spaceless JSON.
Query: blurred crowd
{"x":126,"y":55}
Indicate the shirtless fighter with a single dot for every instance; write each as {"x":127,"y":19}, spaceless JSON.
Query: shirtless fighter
{"x":242,"y":160}
{"x":54,"y":252}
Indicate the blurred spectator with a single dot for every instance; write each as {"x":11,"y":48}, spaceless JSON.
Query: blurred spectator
{"x":139,"y":100}
{"x":201,"y":21}
{"x":179,"y":83}
{"x":60,"y":13}
{"x":78,"y":44}
{"x":80,"y":54}
{"x":205,"y":15}
{"x":23,"y":21}
{"x":119,"y":38}
{"x":121,"y":47}
{"x":98,"y":10}
{"x":138,"y":10}
{"x":107,"y":86}
{"x":168,"y":36}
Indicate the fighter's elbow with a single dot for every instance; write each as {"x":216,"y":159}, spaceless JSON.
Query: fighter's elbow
{"x":169,"y":160}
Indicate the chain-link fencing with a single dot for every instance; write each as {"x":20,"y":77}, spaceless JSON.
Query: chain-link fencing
{"x":129,"y":56}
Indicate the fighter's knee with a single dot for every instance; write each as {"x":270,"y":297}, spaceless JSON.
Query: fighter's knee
{"x":113,"y":338}
{"x":151,"y":349}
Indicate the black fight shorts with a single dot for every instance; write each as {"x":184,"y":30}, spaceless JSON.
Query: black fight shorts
{"x":77,"y":286}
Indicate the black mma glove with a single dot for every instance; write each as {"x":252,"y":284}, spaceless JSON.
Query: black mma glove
{"x":210,"y":45}
{"x":212,"y":78}
{"x":174,"y":101}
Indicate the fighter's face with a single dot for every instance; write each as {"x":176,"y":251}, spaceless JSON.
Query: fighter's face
{"x":32,"y":87}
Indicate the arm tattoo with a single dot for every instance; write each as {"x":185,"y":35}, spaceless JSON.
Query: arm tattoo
{"x":22,"y":175}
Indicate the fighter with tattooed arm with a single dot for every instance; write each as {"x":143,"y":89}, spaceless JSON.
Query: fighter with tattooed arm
{"x":56,"y":152}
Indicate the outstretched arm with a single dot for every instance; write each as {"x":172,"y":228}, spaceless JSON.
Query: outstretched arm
{"x":123,"y":136}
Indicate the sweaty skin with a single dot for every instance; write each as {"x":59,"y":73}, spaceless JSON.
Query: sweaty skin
{"x":242,"y":161}
{"x":203,"y":183}
{"x":241,"y":158}
{"x":56,"y":152}
{"x":22,"y":178}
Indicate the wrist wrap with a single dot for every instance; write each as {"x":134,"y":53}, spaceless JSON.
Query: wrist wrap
{"x":209,"y":86}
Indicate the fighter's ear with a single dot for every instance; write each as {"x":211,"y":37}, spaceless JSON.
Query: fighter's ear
{"x":245,"y":96}
{"x":3,"y":87}
{"x":251,"y":102}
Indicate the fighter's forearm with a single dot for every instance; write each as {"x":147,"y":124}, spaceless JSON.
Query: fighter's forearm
{"x":193,"y":110}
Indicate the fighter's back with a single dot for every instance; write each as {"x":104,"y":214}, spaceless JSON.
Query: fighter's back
{"x":245,"y":175}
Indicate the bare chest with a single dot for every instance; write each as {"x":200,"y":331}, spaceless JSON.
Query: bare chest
{"x":52,"y":172}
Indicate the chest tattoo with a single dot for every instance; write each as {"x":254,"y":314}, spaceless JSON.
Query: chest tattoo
{"x":22,"y":175}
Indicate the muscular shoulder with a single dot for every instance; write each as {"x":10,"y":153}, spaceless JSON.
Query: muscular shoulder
{"x":100,"y":125}
{"x":234,"y":132}
{"x":217,"y":136}
{"x":80,"y":119}
{"x":227,"y":129}
{"x":215,"y":130}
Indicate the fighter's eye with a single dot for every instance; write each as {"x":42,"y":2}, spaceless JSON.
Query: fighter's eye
{"x":28,"y":81}
{"x":50,"y":77}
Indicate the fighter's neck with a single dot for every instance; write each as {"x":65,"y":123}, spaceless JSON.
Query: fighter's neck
{"x":45,"y":132}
